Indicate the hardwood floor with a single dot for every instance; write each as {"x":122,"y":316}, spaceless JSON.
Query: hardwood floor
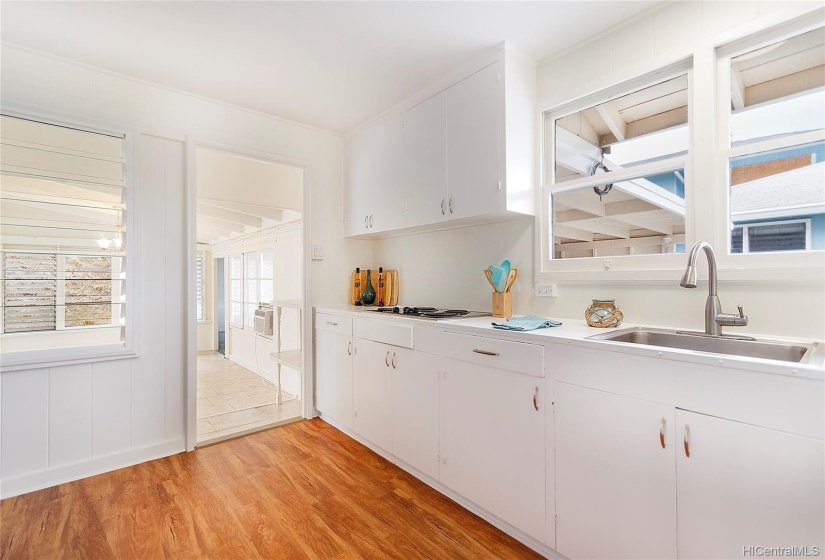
{"x":299,"y":491}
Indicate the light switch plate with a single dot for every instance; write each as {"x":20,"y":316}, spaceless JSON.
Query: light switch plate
{"x":317,"y":252}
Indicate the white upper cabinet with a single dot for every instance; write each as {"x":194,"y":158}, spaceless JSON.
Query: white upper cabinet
{"x":467,"y":151}
{"x":425,"y":162}
{"x":473,"y":145}
{"x":375,"y":176}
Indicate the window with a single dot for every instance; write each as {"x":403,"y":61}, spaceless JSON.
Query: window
{"x":63,"y":229}
{"x":200,"y":295}
{"x":774,"y":144}
{"x":616,"y":173}
{"x":258,"y":283}
{"x":236,"y":291}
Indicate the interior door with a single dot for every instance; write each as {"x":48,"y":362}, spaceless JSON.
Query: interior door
{"x":744,"y":485}
{"x":473,"y":150}
{"x":615,"y":476}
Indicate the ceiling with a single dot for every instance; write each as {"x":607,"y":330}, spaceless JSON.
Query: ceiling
{"x":331,"y":65}
{"x":238,"y":195}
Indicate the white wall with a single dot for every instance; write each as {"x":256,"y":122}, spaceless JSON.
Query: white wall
{"x":63,"y":423}
{"x":445,"y":268}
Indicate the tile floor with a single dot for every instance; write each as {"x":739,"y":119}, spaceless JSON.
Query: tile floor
{"x":233,"y":400}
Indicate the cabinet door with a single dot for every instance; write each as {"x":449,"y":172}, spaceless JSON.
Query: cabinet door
{"x":415,"y":409}
{"x":425,"y":161}
{"x":474,"y":108}
{"x":371,"y":392}
{"x":356,"y":196}
{"x":386,"y":187}
{"x":615,"y":481}
{"x":333,"y":376}
{"x":743,"y":486}
{"x":494,"y":442}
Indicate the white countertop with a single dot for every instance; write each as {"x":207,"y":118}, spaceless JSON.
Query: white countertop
{"x":577,"y":331}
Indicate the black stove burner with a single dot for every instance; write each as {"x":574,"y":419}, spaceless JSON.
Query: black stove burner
{"x":446,"y":313}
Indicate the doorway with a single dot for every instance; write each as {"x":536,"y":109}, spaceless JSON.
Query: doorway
{"x":250,"y":221}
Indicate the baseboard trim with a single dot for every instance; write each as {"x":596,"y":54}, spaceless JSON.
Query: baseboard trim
{"x":39,"y":480}
{"x":493,"y":520}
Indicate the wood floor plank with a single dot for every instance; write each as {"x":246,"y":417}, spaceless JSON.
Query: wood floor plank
{"x":301,"y":491}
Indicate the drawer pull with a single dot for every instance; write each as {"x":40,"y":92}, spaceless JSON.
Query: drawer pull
{"x":387,"y":359}
{"x":333,"y":323}
{"x":662,"y":433}
{"x":393,"y":360}
{"x":687,"y":440}
{"x":536,"y":399}
{"x":349,"y":348}
{"x":442,"y":207}
{"x":485,"y":352}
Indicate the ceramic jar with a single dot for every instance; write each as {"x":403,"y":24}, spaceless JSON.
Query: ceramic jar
{"x":603,"y":313}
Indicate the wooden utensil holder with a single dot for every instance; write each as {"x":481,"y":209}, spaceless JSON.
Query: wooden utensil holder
{"x":503,"y":304}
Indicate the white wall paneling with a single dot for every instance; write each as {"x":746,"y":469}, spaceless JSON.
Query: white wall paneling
{"x":70,"y":414}
{"x":111,"y":418}
{"x":25,"y":422}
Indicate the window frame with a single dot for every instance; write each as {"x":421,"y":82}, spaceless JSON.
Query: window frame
{"x":128,"y":347}
{"x":200,"y":287}
{"x":795,"y":264}
{"x":746,"y":227}
{"x":622,"y":266}
{"x":242,"y":280}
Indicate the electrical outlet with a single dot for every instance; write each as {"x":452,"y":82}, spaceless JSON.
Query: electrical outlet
{"x":547,"y":290}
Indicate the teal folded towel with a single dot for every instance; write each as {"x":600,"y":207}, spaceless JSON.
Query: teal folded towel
{"x":527,"y":323}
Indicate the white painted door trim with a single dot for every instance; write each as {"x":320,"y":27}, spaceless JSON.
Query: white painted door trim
{"x":192,"y":143}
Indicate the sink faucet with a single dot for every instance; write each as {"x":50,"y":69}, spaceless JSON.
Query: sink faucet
{"x":714,"y":318}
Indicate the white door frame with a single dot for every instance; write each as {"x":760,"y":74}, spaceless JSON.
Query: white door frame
{"x":192,"y":143}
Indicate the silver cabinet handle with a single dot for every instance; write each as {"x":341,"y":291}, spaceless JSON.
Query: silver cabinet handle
{"x":451,"y":205}
{"x":393,"y":360}
{"x":536,"y":399}
{"x":334,"y":324}
{"x":662,"y":433}
{"x":366,"y":221}
{"x":485,"y":352}
{"x":687,"y":440}
{"x":387,"y":359}
{"x":349,"y":348}
{"x":370,"y":220}
{"x":442,"y":207}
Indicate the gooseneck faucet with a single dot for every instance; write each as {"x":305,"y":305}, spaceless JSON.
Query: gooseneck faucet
{"x":714,"y":318}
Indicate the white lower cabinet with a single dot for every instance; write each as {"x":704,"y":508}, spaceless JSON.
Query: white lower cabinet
{"x":333,"y":367}
{"x":372,"y":392}
{"x":415,"y":409}
{"x":493,"y":448}
{"x":615,"y":476}
{"x":632,"y":474}
{"x":746,"y":486}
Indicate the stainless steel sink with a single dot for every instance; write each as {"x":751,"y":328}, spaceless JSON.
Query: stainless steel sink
{"x":700,"y":342}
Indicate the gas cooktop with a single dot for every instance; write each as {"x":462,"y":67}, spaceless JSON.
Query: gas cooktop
{"x":431,"y":313}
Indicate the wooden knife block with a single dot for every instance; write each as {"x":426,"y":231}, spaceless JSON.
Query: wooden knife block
{"x":503,"y":304}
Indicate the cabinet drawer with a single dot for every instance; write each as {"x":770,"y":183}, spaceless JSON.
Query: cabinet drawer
{"x":521,"y":357}
{"x":388,"y":333}
{"x":333,"y":323}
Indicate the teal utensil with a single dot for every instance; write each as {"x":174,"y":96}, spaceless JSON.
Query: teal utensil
{"x":505,"y":272}
{"x":498,"y":276}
